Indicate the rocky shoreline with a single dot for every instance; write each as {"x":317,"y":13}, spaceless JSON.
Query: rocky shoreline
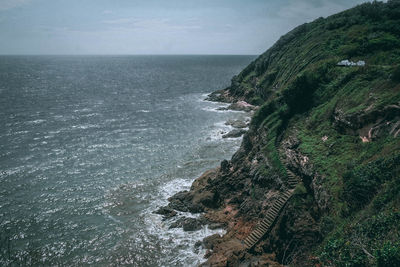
{"x":205,"y":197}
{"x":324,"y":136}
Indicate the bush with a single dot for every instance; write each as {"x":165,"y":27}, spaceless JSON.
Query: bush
{"x":298,"y":96}
{"x":263,"y":112}
{"x":388,"y":255}
{"x":384,"y":42}
{"x":396,"y":74}
{"x":362,"y":183}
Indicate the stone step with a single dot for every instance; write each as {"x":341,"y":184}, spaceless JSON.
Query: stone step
{"x":259,"y":232}
{"x":264,"y":226}
{"x":248,"y":244}
{"x":255,"y":237}
{"x":252,"y":238}
{"x":267,"y":220}
{"x":287,"y":194}
{"x":258,"y":238}
{"x":267,"y":224}
{"x":274,"y":213}
{"x":275,"y":208}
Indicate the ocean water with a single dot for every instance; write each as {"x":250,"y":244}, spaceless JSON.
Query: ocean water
{"x":90,"y":146}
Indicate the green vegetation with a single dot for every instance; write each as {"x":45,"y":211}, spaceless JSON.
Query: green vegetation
{"x":301,"y":90}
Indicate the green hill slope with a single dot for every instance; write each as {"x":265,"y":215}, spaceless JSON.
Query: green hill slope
{"x":331,"y":110}
{"x":335,"y":127}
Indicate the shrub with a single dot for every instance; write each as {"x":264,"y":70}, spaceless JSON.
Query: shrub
{"x":362,"y":183}
{"x":396,"y":74}
{"x":264,"y":111}
{"x":388,"y":255}
{"x":298,"y":96}
{"x":384,"y":42}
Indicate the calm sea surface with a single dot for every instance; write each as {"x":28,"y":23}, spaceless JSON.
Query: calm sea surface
{"x":90,"y":146}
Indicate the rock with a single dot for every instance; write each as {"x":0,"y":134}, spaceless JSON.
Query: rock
{"x":180,"y":201}
{"x":198,"y":244}
{"x":214,"y":226}
{"x":191,"y":224}
{"x":242,"y":106}
{"x":205,"y":198}
{"x":225,"y":166}
{"x":167,"y":212}
{"x":237,"y":123}
{"x":234,"y":133}
{"x":210,"y":241}
{"x":195,"y":207}
{"x":178,"y":223}
{"x":370,"y":124}
{"x":220,"y":96}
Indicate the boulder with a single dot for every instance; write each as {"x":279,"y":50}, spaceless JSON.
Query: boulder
{"x":237,"y":123}
{"x":191,"y":224}
{"x":211,"y":240}
{"x":234,"y":133}
{"x":242,"y":106}
{"x":167,"y":212}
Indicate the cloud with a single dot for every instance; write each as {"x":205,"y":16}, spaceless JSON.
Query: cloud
{"x":8,"y":4}
{"x":152,"y":24}
{"x":107,"y":12}
{"x":308,"y":11}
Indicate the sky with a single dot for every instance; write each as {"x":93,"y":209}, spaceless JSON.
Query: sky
{"x":245,"y":27}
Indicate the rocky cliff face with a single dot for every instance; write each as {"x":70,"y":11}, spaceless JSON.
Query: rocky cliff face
{"x":336,"y":128}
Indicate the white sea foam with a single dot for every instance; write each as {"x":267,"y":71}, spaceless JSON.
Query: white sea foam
{"x":85,"y":126}
{"x":82,"y":110}
{"x":35,"y":121}
{"x":189,"y":255}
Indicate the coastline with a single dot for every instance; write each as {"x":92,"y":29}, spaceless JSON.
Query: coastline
{"x":182,"y":228}
{"x":199,"y":207}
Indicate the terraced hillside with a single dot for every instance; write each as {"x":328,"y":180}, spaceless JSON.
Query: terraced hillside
{"x":335,"y":127}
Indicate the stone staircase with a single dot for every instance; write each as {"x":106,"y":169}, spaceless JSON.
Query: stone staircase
{"x":264,"y":226}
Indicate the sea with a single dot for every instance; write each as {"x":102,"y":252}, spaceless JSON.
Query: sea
{"x":91,"y":146}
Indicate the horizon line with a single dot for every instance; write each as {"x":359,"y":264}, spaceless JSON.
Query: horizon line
{"x":129,"y":54}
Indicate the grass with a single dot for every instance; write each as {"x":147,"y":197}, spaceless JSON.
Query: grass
{"x":300,"y":90}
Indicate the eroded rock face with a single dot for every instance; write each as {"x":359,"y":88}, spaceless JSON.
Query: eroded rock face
{"x":302,"y":165}
{"x":369,"y":124}
{"x":200,"y":197}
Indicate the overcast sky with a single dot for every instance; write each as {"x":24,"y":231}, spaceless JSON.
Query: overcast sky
{"x":153,"y":26}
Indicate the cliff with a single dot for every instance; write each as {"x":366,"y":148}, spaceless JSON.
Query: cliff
{"x":335,"y":128}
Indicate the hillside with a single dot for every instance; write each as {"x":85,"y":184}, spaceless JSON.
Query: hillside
{"x":334,"y":128}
